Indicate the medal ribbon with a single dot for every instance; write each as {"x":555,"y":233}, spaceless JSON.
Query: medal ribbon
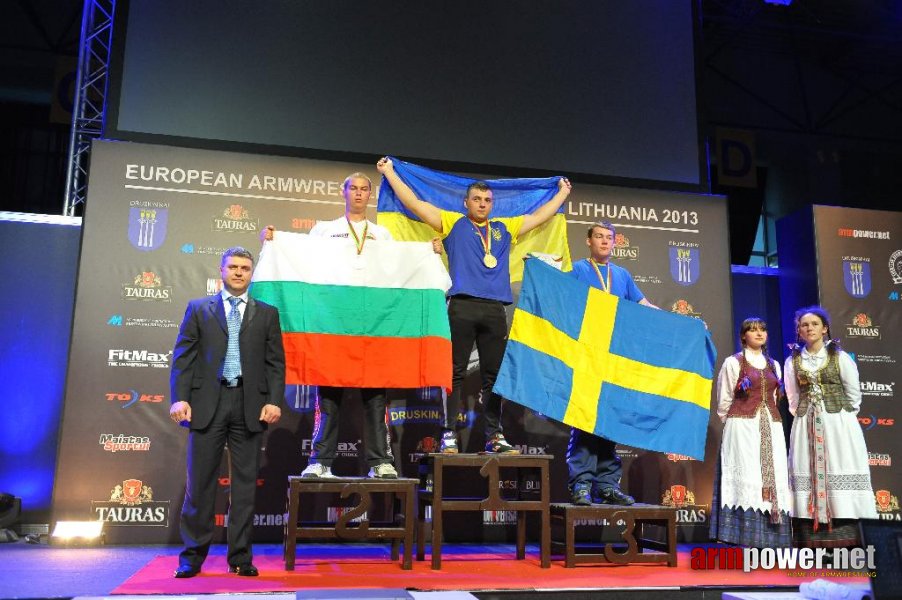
{"x":358,"y":241}
{"x":605,"y":286}
{"x":487,"y":240}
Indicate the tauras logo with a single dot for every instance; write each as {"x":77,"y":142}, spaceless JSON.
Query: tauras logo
{"x":235,"y":218}
{"x":147,"y":286}
{"x":132,"y":503}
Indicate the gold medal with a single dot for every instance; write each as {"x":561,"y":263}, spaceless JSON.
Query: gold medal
{"x":490,"y":261}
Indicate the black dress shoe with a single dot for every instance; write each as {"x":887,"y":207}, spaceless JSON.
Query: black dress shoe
{"x":186,"y":571}
{"x":614,"y":495}
{"x":247,"y":570}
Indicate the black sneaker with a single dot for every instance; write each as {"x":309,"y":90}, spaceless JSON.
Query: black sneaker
{"x":614,"y":495}
{"x":580,"y":496}
{"x":498,"y":445}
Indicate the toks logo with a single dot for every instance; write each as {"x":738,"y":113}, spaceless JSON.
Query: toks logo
{"x":132,"y":397}
{"x":235,"y":218}
{"x":148,"y":287}
{"x":870,"y":421}
{"x":131,"y":503}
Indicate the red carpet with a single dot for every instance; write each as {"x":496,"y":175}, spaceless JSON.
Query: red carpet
{"x":487,"y":571}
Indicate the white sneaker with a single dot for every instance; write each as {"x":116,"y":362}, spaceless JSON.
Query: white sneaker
{"x":383,"y":471}
{"x":318,"y":470}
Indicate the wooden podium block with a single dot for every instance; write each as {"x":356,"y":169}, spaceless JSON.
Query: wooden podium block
{"x":403,"y":490}
{"x":565,"y":518}
{"x":438,"y":466}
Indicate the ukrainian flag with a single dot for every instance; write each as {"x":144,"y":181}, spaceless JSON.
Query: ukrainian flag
{"x":512,"y":198}
{"x":623,"y":371}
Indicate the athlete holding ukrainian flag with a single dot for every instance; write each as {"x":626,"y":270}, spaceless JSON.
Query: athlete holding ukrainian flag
{"x":479,"y":262}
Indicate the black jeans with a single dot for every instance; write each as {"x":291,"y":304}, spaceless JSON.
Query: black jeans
{"x":375,"y":431}
{"x":483,"y":322}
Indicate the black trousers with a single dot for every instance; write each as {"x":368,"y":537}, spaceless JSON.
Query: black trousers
{"x":205,"y":448}
{"x":483,"y":322}
{"x":375,"y":430}
{"x":592,"y":460}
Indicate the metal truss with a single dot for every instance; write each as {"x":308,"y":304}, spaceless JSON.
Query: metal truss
{"x":89,"y":106}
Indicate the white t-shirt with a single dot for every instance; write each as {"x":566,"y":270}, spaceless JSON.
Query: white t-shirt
{"x":339,"y":229}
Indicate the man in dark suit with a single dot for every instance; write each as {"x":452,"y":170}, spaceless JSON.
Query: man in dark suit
{"x":228,"y":378}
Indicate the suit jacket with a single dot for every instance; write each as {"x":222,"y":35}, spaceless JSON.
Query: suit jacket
{"x":200,"y":350}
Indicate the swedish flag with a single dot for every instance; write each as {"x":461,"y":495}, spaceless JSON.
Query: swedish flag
{"x":623,"y":371}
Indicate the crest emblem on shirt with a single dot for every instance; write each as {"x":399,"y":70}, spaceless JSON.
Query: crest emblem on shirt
{"x":856,"y":276}
{"x":147,"y":227}
{"x":684,"y":265}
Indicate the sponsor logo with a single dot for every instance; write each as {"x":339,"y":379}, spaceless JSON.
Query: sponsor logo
{"x":647,"y":279}
{"x":190,"y":248}
{"x":415,"y":414}
{"x":678,"y":457}
{"x":683,"y":499}
{"x":132,"y":503}
{"x":306,"y":224}
{"x":886,"y":502}
{"x":336,"y":513}
{"x":856,"y":275}
{"x":863,"y":233}
{"x":895,"y":266}
{"x":235,"y":218}
{"x":119,"y":357}
{"x":874,"y":388}
{"x":147,"y":287}
{"x":893,"y":296}
{"x":862,"y":326}
{"x":348,"y":449}
{"x":870,"y":421}
{"x":798,"y":561}
{"x":622,"y":249}
{"x":124,"y":443}
{"x":684,"y":262}
{"x":260,"y":519}
{"x":301,"y":398}
{"x":120,"y":321}
{"x":524,"y":449}
{"x":872,"y":358}
{"x":147,"y":227}
{"x":682,"y":307}
{"x":227,"y":481}
{"x":427,"y":445}
{"x":876,"y":459}
{"x":499,"y":517}
{"x":132,"y":397}
{"x":214,"y":286}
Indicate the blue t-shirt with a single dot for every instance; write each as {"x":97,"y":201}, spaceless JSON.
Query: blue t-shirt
{"x":469,"y":275}
{"x":622,"y":283}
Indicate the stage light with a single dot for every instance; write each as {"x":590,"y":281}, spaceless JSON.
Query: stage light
{"x":80,"y":533}
{"x":779,"y":2}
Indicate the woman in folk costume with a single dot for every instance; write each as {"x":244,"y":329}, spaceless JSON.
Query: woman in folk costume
{"x":752,"y":502}
{"x":830,"y":477}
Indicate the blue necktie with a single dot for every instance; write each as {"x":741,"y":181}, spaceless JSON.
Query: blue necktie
{"x":231,"y":367}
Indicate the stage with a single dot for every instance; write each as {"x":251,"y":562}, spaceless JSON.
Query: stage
{"x":485,"y":571}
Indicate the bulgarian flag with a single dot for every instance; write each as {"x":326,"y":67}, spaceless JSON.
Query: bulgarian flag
{"x":374,"y":319}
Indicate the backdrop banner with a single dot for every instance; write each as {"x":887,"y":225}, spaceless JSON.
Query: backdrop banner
{"x":156,"y":222}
